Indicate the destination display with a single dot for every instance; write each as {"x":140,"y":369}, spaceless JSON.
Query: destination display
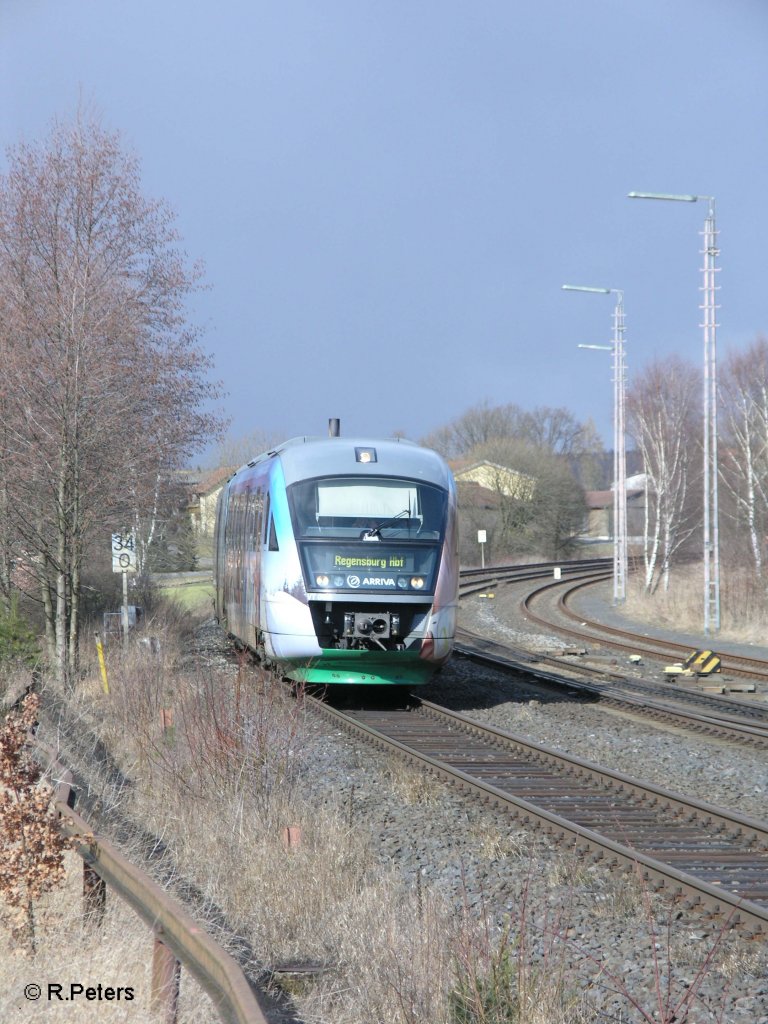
{"x":387,"y":561}
{"x":342,"y":567}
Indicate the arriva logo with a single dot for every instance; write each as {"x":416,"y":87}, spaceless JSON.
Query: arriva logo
{"x":353,"y":581}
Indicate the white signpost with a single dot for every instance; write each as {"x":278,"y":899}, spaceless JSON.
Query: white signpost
{"x":481,"y":538}
{"x":124,"y":561}
{"x":124,"y":552}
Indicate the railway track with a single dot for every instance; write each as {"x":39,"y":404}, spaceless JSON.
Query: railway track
{"x":607,"y":681}
{"x":476,"y":580}
{"x":625,"y":640}
{"x":611,"y":690}
{"x":699,"y":854}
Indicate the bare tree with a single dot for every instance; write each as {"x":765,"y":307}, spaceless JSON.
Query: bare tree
{"x":662,"y":418}
{"x":477,"y":426}
{"x":744,"y":453}
{"x":543,"y":446}
{"x":541,"y":507}
{"x":235,"y":451}
{"x":558,"y":431}
{"x":104,"y":385}
{"x":553,"y":430}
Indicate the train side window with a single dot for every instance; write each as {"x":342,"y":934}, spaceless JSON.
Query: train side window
{"x":257,"y":526}
{"x":272,"y":545}
{"x":267,"y":517}
{"x":250,"y":517}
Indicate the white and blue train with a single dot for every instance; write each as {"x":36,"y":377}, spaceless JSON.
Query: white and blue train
{"x":336,"y":560}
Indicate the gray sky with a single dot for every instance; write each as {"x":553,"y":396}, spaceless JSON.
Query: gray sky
{"x":388,"y":196}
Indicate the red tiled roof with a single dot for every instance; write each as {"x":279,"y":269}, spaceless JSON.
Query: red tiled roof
{"x":214,"y":478}
{"x":473,"y":495}
{"x":604,"y":499}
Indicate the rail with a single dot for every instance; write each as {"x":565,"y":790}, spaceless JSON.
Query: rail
{"x":616,"y":690}
{"x":751,"y":917}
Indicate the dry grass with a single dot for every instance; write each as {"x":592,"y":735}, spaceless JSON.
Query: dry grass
{"x":117,"y":956}
{"x":412,"y":787}
{"x":492,"y":845}
{"x":391,"y":961}
{"x":568,"y":869}
{"x":743,"y":602}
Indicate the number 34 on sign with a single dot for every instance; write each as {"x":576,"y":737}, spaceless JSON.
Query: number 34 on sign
{"x":124,"y":552}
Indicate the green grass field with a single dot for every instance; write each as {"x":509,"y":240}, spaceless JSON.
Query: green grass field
{"x":192,"y":596}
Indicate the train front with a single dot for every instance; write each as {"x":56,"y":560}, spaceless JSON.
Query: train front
{"x":377,"y":542}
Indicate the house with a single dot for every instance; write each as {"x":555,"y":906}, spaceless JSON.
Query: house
{"x":482,"y":489}
{"x":599,"y":524}
{"x":496,"y":478}
{"x":203,"y":498}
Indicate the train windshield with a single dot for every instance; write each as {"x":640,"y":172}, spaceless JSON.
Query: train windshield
{"x":369,"y":509}
{"x":369,"y":533}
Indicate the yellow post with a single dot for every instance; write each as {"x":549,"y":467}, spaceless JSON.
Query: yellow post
{"x":102,"y":663}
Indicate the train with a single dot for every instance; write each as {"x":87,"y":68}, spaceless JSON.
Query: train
{"x":336,"y":560}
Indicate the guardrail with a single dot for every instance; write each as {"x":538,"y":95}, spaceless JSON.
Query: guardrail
{"x":177,"y":936}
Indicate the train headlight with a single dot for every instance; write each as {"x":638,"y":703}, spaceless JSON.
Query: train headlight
{"x":322,"y":581}
{"x":402,"y":582}
{"x":417,"y":582}
{"x":365,"y":455}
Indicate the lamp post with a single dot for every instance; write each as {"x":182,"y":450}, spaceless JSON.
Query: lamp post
{"x":709,"y":325}
{"x":619,"y":439}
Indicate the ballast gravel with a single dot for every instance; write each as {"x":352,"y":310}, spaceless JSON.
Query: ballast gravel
{"x":609,"y":938}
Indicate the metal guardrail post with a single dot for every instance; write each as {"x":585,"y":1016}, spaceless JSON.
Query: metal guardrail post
{"x":179,"y":939}
{"x":166,"y":975}
{"x":94,"y":897}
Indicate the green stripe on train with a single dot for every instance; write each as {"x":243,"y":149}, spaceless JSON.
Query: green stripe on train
{"x":399,"y":668}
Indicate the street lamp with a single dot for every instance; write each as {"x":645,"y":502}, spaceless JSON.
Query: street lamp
{"x":709,"y":325}
{"x":619,"y":439}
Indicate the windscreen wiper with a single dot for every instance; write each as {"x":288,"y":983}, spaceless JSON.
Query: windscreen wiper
{"x":375,"y":532}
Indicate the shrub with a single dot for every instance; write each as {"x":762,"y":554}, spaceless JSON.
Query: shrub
{"x":18,"y":642}
{"x":31,"y":844}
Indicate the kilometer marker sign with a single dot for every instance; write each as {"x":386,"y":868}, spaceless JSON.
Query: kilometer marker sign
{"x":124,"y":552}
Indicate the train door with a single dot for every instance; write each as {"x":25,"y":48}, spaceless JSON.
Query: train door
{"x":219,"y":554}
{"x":252,"y":545}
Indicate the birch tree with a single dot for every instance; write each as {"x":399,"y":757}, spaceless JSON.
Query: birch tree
{"x":662,"y":414}
{"x":744,"y":449}
{"x":104,"y":385}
